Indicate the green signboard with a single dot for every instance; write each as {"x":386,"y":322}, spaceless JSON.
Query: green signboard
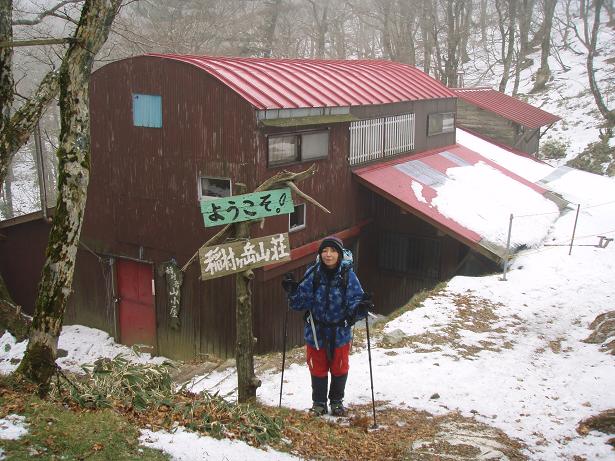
{"x":246,"y":207}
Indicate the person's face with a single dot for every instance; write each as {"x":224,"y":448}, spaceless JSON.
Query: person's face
{"x":330,"y":257}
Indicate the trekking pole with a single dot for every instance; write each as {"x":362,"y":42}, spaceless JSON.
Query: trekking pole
{"x":283,"y":354}
{"x":371,"y":377}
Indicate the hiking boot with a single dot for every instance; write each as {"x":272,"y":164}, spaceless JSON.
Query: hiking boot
{"x":338,"y":409}
{"x":318,"y":409}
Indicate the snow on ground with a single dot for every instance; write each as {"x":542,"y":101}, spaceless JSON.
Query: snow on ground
{"x":509,"y":352}
{"x":13,"y":427}
{"x":83,"y":345}
{"x":184,"y":445}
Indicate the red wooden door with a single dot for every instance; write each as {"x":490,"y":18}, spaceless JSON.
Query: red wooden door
{"x":137,"y":314}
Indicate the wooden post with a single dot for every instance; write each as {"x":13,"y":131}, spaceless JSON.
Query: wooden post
{"x":247,"y":383}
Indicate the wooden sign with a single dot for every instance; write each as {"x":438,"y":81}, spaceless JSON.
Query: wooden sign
{"x":244,"y":207}
{"x":225,"y":259}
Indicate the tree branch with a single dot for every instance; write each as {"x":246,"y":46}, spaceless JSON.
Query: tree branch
{"x":37,"y":42}
{"x":284,"y":178}
{"x":43,"y":14}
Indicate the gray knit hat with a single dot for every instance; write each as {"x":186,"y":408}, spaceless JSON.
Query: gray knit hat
{"x":332,"y":242}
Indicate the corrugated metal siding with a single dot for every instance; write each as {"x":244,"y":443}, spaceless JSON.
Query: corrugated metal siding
{"x":143,"y":192}
{"x":22,"y":255}
{"x":508,"y":107}
{"x":395,"y":289}
{"x":95,"y":273}
{"x":299,"y":83}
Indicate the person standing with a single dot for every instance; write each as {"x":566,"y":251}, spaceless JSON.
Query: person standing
{"x":333,"y":299}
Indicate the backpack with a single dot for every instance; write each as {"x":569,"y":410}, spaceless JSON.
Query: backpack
{"x":346,"y":256}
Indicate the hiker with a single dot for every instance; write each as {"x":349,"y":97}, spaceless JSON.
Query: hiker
{"x":332,"y":296}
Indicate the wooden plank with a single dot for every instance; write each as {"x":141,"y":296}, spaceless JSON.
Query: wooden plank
{"x":230,"y":258}
{"x":245,"y":207}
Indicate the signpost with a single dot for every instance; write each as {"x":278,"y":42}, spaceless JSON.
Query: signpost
{"x":246,"y":207}
{"x":244,"y":254}
{"x":238,"y":256}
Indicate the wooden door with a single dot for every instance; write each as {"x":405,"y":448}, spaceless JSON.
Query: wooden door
{"x":137,"y":313}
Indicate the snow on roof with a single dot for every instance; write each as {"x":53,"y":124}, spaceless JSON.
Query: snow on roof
{"x":470,"y":195}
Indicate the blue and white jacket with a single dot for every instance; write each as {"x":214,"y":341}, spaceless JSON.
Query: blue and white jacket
{"x":326,"y":304}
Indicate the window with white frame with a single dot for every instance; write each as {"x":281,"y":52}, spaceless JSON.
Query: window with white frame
{"x":443,"y":122}
{"x":297,"y":147}
{"x":214,"y":187}
{"x":296,"y":219}
{"x":376,"y":138}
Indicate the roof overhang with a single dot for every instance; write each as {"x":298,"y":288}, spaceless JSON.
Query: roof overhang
{"x":414,"y":182}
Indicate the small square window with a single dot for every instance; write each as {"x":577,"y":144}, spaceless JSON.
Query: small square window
{"x":283,"y":149}
{"x":147,"y":110}
{"x":440,"y":123}
{"x":314,"y":145}
{"x":214,"y":187}
{"x":296,"y":220}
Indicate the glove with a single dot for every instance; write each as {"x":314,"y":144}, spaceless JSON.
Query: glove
{"x":289,"y":284}
{"x":365,"y":306}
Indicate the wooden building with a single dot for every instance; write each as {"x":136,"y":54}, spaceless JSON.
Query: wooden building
{"x":503,"y":118}
{"x":168,"y":131}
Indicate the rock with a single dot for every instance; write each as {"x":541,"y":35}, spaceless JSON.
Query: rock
{"x":434,"y":396}
{"x":394,"y":337}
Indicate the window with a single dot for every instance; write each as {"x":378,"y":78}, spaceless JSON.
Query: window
{"x":298,"y":147}
{"x":147,"y":110}
{"x":296,"y":220}
{"x":375,"y":138}
{"x":410,"y":255}
{"x":214,"y":187}
{"x":440,"y":123}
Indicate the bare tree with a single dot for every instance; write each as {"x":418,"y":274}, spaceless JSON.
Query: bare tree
{"x":507,"y":24}
{"x":526,"y":9}
{"x":544,"y":72}
{"x":590,"y":41}
{"x":92,"y":31}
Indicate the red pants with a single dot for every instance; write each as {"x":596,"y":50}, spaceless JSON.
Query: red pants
{"x":319,"y":364}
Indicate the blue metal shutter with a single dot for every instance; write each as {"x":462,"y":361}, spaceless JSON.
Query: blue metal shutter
{"x":147,"y":110}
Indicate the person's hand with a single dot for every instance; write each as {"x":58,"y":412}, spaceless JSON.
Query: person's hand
{"x":365,"y":306}
{"x":289,"y":284}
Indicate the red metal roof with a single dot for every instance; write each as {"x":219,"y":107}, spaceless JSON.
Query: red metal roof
{"x":303,"y":83}
{"x":392,"y":180}
{"x":506,"y":106}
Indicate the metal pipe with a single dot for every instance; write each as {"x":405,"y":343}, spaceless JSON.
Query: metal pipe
{"x":371,"y":377}
{"x":576,"y":218}
{"x":284,"y":352}
{"x":507,"y":248}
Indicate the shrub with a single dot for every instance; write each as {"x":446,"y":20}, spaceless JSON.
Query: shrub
{"x":553,"y":149}
{"x":598,"y":157}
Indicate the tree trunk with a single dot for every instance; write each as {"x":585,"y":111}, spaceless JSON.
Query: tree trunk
{"x":17,"y":130}
{"x":247,"y":383}
{"x":7,"y":194}
{"x":525,"y":19}
{"x":271,"y":21}
{"x":609,"y":115}
{"x":544,"y":73}
{"x":73,"y":153}
{"x":508,"y":38}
